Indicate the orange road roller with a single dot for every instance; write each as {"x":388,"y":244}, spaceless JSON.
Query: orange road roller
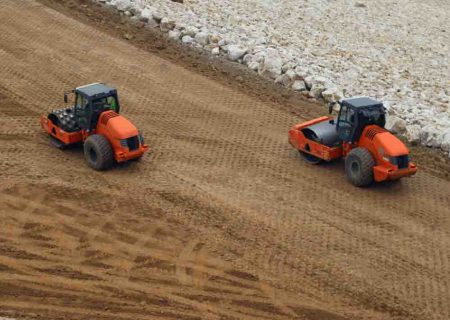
{"x":371,"y":152}
{"x":94,"y":121}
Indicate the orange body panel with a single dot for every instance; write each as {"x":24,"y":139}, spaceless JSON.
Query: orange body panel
{"x":378,"y":141}
{"x":115,"y":128}
{"x":311,"y":122}
{"x":111,"y":125}
{"x":382,"y":173}
{"x":298,"y":140}
{"x":56,"y":132}
{"x":382,"y":144}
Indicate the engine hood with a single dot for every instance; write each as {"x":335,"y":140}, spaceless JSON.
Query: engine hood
{"x":391,"y":144}
{"x":121,"y":128}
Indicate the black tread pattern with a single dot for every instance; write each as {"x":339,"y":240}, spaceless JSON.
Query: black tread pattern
{"x":366,"y":163}
{"x":66,"y":118}
{"x":103,"y":150}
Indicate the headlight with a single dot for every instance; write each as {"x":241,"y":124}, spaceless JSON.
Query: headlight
{"x":123,"y":143}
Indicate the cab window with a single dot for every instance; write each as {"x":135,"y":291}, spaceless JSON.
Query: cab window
{"x":107,"y":103}
{"x":351,"y":115}
{"x":81,"y":112}
{"x":345,"y":123}
{"x":81,"y":101}
{"x":112,"y":102}
{"x":343,"y":114}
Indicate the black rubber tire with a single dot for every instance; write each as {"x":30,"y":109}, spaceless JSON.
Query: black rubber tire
{"x":310,"y":158}
{"x":359,"y":165}
{"x":98,"y":152}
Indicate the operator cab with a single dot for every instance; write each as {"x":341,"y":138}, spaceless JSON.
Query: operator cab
{"x":357,"y":113}
{"x":90,"y":101}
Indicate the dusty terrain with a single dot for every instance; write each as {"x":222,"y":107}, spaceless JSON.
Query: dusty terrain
{"x":221,"y":221}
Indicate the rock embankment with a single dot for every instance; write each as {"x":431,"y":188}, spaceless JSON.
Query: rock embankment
{"x":395,"y":51}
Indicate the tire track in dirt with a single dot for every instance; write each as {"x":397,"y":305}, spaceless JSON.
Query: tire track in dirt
{"x":56,"y":268}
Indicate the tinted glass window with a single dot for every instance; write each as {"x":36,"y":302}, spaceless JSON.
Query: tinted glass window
{"x":374,"y":116}
{"x":343,"y":114}
{"x":351,"y":115}
{"x":102,"y":104}
{"x":81,"y":112}
{"x":81,"y":101}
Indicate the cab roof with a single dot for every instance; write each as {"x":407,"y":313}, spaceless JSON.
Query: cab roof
{"x":361,"y":102}
{"x":95,"y":89}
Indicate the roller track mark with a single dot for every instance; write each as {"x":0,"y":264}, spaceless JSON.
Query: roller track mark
{"x":276,"y":298}
{"x":73,"y":275}
{"x":195,"y":257}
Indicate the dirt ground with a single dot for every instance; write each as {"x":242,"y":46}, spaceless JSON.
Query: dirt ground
{"x":222,"y":220}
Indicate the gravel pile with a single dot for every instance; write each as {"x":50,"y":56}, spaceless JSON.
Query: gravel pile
{"x":393,"y":50}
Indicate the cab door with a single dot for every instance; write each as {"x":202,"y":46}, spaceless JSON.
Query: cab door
{"x":345,"y":123}
{"x":82,"y":113}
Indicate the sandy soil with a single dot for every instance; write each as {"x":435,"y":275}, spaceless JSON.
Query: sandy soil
{"x":221,"y":221}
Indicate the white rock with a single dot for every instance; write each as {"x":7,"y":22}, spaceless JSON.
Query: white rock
{"x":445,"y":145}
{"x":190,"y":31}
{"x":287,"y":66}
{"x":146,"y":14}
{"x":395,"y":124}
{"x":202,"y":38}
{"x":215,"y":51}
{"x":157,"y":16}
{"x":316,"y":90}
{"x":122,"y":5}
{"x":187,"y":39}
{"x":332,"y":95}
{"x":253,"y":65}
{"x":247,"y":59}
{"x":309,"y":82}
{"x":429,"y":136}
{"x":224,"y":48}
{"x":166,"y":25}
{"x":301,"y":71}
{"x":214,"y":38}
{"x":271,"y":65}
{"x":299,"y":85}
{"x":260,"y":40}
{"x":291,"y":74}
{"x":252,"y":60}
{"x":174,"y":34}
{"x":284,"y":80}
{"x":151,"y":23}
{"x":259,"y":56}
{"x":236,"y":52}
{"x":222,"y":42}
{"x":318,"y":82}
{"x":336,"y":107}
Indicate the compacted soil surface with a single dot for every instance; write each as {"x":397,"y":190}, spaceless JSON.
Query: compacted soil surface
{"x":222,"y":220}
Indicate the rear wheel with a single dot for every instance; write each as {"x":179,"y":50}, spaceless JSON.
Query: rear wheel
{"x":98,"y":152}
{"x":359,"y":167}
